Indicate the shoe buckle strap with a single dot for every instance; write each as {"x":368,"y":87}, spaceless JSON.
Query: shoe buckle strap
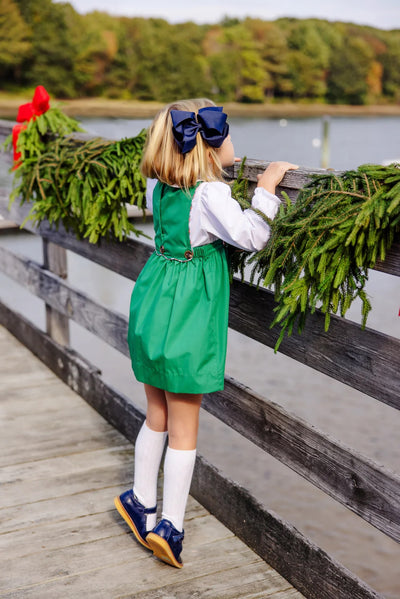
{"x":150,"y":510}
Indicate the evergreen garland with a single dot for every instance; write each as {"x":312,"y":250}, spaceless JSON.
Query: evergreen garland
{"x":83,"y":185}
{"x":322,"y":246}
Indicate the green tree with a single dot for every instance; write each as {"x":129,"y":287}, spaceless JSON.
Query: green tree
{"x":273,"y":50}
{"x":307,"y":79}
{"x":391,"y":68}
{"x":14,"y":36}
{"x":120,"y":75}
{"x":250,"y":60}
{"x":168,"y":61}
{"x":97,"y":44}
{"x":308,"y":60}
{"x":236,"y":65}
{"x":349,"y":68}
{"x":53,"y":49}
{"x":184,"y":69}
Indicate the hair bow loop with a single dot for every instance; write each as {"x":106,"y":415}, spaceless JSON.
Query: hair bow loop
{"x":214,"y":126}
{"x":185,"y":128}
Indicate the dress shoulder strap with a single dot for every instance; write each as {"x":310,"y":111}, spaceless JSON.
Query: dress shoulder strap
{"x":171,"y":213}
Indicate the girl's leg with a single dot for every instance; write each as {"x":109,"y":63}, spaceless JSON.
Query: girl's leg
{"x":183,"y":424}
{"x":149,"y":448}
{"x":183,"y":419}
{"x":157,"y":410}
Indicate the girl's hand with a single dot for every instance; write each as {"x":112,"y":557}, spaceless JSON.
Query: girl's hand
{"x":274,"y":174}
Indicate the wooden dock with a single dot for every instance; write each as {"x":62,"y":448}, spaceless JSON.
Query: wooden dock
{"x":56,"y":507}
{"x":60,"y":536}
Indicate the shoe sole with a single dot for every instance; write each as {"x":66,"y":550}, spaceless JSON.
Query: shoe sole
{"x":129,"y":521}
{"x":162,"y":550}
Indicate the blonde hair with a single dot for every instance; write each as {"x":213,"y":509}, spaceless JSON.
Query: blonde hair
{"x":162,"y":158}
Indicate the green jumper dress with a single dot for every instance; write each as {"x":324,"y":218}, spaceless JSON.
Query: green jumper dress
{"x":178,"y":320}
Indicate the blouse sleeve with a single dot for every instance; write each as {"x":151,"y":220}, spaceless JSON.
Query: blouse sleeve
{"x":222,"y":216}
{"x":151,"y":183}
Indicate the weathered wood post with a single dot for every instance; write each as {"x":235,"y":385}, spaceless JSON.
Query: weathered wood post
{"x":55,"y":260}
{"x":325,"y":142}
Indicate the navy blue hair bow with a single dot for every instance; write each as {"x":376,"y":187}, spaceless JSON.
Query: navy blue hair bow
{"x":210,"y":122}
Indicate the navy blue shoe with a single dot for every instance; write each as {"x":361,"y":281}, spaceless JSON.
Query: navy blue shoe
{"x":166,"y":543}
{"x":134,"y":514}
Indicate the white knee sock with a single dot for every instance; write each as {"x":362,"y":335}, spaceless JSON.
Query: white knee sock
{"x":149,"y":447}
{"x":178,"y":471}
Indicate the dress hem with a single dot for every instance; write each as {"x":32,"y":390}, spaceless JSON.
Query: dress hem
{"x":149,"y":377}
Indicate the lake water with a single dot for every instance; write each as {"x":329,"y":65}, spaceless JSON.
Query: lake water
{"x":355,"y":419}
{"x":352,"y":141}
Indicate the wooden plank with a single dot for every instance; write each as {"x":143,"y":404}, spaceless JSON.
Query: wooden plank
{"x":311,"y":570}
{"x":79,"y":374}
{"x":366,"y":360}
{"x":85,"y":555}
{"x":254,"y":584}
{"x":347,"y":476}
{"x":42,"y":441}
{"x":356,"y":481}
{"x":86,"y":528}
{"x":108,"y":325}
{"x":12,"y":379}
{"x":126,"y":259}
{"x":57,"y":535}
{"x":391,"y":264}
{"x":9,"y":370}
{"x":112,"y":568}
{"x":7,"y":225}
{"x":22,"y":400}
{"x":74,"y":506}
{"x":292,"y":180}
{"x":14,"y":212}
{"x":70,"y":473}
{"x":83,"y":542}
{"x":59,"y":509}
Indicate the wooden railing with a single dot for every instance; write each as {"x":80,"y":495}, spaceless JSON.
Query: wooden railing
{"x":366,"y":360}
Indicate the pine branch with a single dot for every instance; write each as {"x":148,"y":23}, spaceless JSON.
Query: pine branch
{"x":321,"y":247}
{"x":83,"y":185}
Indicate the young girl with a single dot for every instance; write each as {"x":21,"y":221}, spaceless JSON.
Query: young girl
{"x":179,"y":309}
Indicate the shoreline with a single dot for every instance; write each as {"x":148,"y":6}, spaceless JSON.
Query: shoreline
{"x":101,"y":107}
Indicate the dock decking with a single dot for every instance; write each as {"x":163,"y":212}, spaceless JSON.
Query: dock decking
{"x":60,"y":536}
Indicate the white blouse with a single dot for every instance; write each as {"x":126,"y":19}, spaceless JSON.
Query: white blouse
{"x":215,"y":214}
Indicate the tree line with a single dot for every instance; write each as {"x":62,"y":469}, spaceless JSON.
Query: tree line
{"x":248,"y":60}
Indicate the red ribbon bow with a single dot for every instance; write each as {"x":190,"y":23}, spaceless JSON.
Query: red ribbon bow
{"x":39,"y":105}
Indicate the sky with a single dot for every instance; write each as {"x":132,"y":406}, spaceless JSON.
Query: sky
{"x":384,"y":14}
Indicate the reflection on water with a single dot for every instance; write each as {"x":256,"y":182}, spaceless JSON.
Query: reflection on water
{"x":346,"y":414}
